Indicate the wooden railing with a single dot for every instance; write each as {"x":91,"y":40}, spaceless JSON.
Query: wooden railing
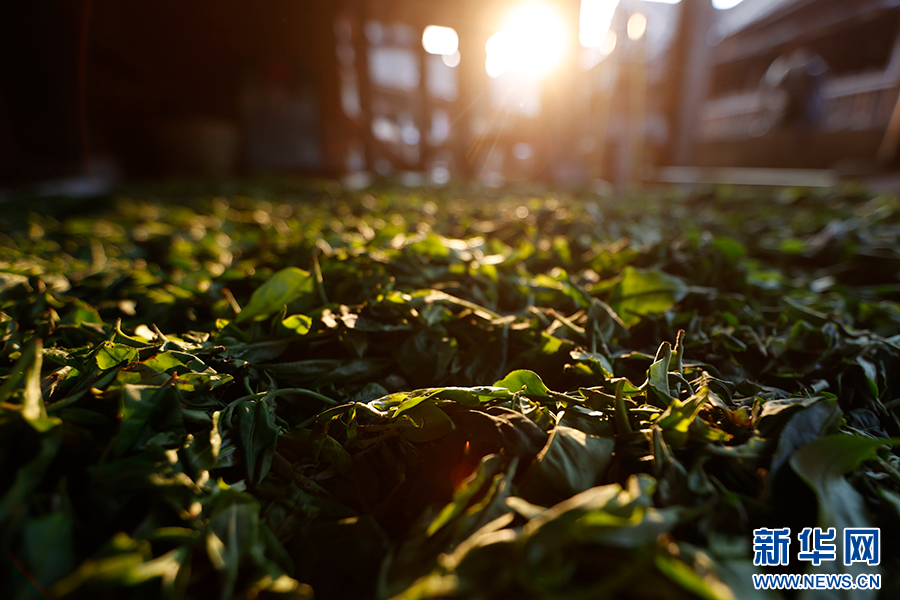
{"x":853,"y":102}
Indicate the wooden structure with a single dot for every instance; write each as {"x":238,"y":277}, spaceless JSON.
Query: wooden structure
{"x":218,"y":87}
{"x":224,"y":86}
{"x":745,"y":119}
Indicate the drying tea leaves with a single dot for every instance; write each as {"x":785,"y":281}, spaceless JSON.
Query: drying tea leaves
{"x":279,"y":391}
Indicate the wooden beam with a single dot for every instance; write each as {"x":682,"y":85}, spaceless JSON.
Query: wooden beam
{"x":694,"y":75}
{"x":798,"y":24}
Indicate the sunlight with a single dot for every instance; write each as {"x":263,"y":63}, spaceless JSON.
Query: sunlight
{"x":440,"y":40}
{"x":531,"y":42}
{"x":451,"y":60}
{"x":596,"y":16}
{"x":609,"y":44}
{"x":637,"y":25}
{"x":725,"y":4}
{"x":594,"y":20}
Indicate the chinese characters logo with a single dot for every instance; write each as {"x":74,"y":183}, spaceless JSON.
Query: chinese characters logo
{"x":861,"y":545}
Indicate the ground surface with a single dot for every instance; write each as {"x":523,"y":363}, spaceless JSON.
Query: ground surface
{"x":285,"y":389}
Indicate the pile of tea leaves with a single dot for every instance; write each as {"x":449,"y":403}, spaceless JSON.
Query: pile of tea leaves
{"x":290,"y":390}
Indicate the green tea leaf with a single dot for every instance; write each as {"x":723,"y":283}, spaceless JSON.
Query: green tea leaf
{"x":255,"y":421}
{"x":571,"y":462}
{"x":527,"y":382}
{"x":149,"y":414}
{"x":111,"y":355}
{"x":822,"y":464}
{"x":281,"y":289}
{"x":164,"y":361}
{"x":28,"y":367}
{"x":678,"y":417}
{"x":645,"y":292}
{"x":299,"y":324}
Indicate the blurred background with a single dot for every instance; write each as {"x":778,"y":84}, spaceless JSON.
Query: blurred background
{"x":609,"y":93}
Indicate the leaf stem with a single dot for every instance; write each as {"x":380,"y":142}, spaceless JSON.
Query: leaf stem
{"x":622,"y":422}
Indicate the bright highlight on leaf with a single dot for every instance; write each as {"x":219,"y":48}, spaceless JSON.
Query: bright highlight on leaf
{"x":528,"y":382}
{"x":299,"y":324}
{"x":644,"y":292}
{"x":111,"y":355}
{"x":281,"y":289}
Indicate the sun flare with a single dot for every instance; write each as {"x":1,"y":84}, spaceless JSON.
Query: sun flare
{"x":531,"y":43}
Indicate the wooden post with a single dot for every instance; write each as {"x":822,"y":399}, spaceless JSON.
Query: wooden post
{"x":361,"y":52}
{"x":472,"y":86}
{"x":422,"y":109}
{"x":637,"y":130}
{"x":563,"y":106}
{"x":606,"y":72}
{"x":692,"y":66}
{"x":887,"y":151}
